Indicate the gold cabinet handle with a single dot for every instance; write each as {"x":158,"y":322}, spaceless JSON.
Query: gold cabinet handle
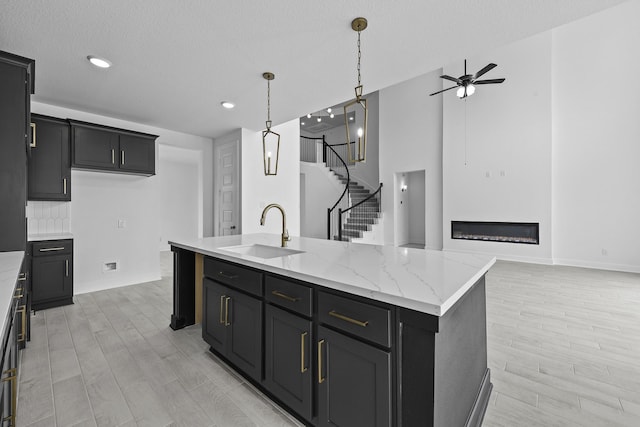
{"x":52,"y":249}
{"x":320,"y":379}
{"x":22,"y":277}
{"x":66,"y":265}
{"x":226,"y":311}
{"x":285,"y":296}
{"x":222,"y":297}
{"x":11,"y":375}
{"x":18,"y":293}
{"x":22,"y":336}
{"x":348,"y":319}
{"x":33,"y":135}
{"x":303,"y":367}
{"x":64,"y":185}
{"x":113,"y":156}
{"x":227,"y":276}
{"x":122,"y":156}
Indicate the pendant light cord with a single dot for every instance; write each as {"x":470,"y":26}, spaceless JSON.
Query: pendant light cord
{"x":268,"y":104}
{"x":359,"y":56}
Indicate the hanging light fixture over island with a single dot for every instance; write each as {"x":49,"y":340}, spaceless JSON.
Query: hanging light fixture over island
{"x":270,"y":139}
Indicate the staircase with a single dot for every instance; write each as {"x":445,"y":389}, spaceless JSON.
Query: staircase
{"x":364,"y":217}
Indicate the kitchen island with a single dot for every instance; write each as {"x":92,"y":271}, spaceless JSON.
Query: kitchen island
{"x":341,"y":333}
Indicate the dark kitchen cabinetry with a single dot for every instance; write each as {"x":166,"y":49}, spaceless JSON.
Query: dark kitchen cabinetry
{"x":23,"y":296}
{"x":232,"y":325}
{"x":16,"y":86}
{"x":354,"y":382}
{"x":108,"y":149}
{"x":52,"y":273}
{"x":50,"y":161}
{"x":288,"y":359}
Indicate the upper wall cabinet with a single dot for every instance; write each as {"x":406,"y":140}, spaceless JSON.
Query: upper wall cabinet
{"x":50,"y":161}
{"x":110,"y":149}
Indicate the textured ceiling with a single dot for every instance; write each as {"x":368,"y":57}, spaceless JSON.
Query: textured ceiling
{"x":175,"y":61}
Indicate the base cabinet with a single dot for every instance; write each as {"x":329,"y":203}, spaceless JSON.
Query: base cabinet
{"x":288,"y":357}
{"x":52,"y":274}
{"x":354,"y":382}
{"x":232,"y":325}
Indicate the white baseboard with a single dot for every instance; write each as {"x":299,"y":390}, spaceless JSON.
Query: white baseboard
{"x":597,"y":265}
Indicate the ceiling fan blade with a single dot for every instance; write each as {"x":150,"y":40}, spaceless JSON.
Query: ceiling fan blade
{"x":453,"y":79}
{"x":443,"y":90}
{"x":488,"y":82}
{"x":484,"y":70}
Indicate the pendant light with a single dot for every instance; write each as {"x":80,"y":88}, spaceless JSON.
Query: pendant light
{"x":270,"y":139}
{"x":358,"y":153}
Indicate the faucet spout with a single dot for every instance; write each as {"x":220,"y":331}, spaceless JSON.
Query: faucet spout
{"x":285,"y":233}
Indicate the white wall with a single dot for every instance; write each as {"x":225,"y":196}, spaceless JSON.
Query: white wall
{"x":410,"y":126}
{"x":259,"y":190}
{"x":497,"y":148}
{"x":596,"y":130}
{"x":180,"y":194}
{"x":321,"y":190}
{"x":100,"y":199}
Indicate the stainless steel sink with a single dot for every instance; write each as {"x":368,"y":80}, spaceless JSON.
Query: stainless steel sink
{"x":261,"y":251}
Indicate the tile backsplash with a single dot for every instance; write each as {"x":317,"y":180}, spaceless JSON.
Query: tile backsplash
{"x":48,"y":217}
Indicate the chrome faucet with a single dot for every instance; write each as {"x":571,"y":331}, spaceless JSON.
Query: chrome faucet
{"x":285,"y":233}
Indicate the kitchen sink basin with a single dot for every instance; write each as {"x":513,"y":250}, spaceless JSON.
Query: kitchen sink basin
{"x":261,"y":251}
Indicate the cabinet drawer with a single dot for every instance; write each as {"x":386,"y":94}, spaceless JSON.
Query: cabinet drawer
{"x":363,"y":320}
{"x":52,"y":247}
{"x":291,"y":295}
{"x":234,"y":275}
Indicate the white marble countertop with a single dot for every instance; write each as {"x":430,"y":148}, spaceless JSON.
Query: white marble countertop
{"x":49,"y":236}
{"x":10,"y":265}
{"x":423,"y":280}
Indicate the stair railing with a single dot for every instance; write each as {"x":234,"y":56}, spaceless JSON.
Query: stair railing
{"x":361,"y":209}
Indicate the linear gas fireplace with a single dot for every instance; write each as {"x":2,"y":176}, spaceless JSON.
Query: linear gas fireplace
{"x":509,"y":232}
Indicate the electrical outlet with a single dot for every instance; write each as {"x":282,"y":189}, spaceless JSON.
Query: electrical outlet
{"x":605,"y":252}
{"x":503,"y":173}
{"x":122,"y":223}
{"x":487,"y":174}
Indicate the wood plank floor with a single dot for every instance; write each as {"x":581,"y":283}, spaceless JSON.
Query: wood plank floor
{"x":564,"y":350}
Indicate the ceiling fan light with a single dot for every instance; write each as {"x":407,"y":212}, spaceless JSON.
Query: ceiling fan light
{"x":471,"y":89}
{"x":460,"y":92}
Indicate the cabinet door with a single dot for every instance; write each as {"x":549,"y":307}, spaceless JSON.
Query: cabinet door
{"x":214,"y":329}
{"x":52,"y":278}
{"x":288,"y":359}
{"x":94,"y":148}
{"x":244,"y":342}
{"x":8,"y":385}
{"x":50,"y":163}
{"x":137,"y":154}
{"x":354,"y":382}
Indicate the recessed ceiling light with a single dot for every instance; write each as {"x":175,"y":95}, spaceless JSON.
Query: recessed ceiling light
{"x":99,"y":62}
{"x":227,"y":104}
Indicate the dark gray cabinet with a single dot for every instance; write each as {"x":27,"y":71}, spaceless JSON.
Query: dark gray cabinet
{"x":354,"y":382}
{"x":288,"y":359}
{"x":232,"y":325}
{"x":96,"y":147}
{"x":52,"y":274}
{"x":50,"y":160}
{"x":16,"y":84}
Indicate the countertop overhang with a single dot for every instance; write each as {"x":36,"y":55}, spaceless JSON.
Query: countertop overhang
{"x":427,"y":281}
{"x":48,"y":236}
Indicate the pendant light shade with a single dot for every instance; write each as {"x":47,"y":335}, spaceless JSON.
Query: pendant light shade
{"x":270,"y":139}
{"x":358,"y":105}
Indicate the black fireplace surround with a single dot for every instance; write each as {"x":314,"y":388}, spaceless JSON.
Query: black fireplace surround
{"x":507,"y":232}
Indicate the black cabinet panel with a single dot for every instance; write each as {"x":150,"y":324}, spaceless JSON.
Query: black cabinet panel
{"x":137,"y":154}
{"x":111,"y":149}
{"x":291,"y":295}
{"x":232,"y":325}
{"x":234,"y":275}
{"x":52,"y":274}
{"x":14,"y":121}
{"x":354,"y":382}
{"x":288,"y":356}
{"x":50,"y":161}
{"x":94,"y":149}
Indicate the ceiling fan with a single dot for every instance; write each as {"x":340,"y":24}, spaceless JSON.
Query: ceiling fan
{"x":466,"y":83}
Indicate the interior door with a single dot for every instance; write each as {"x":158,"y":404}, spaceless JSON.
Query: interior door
{"x":228,"y":189}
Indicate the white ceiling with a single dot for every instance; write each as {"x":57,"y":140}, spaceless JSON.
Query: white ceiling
{"x":175,"y":61}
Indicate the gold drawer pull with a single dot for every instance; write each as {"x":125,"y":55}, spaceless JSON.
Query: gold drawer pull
{"x":222,"y":309}
{"x":227,"y":276}
{"x":348,"y":319}
{"x":226,"y":311}
{"x":52,"y":249}
{"x":303,"y":367}
{"x":12,"y":376}
{"x":285,"y":296}
{"x":22,"y":336}
{"x":33,"y":134}
{"x":320,"y":379}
